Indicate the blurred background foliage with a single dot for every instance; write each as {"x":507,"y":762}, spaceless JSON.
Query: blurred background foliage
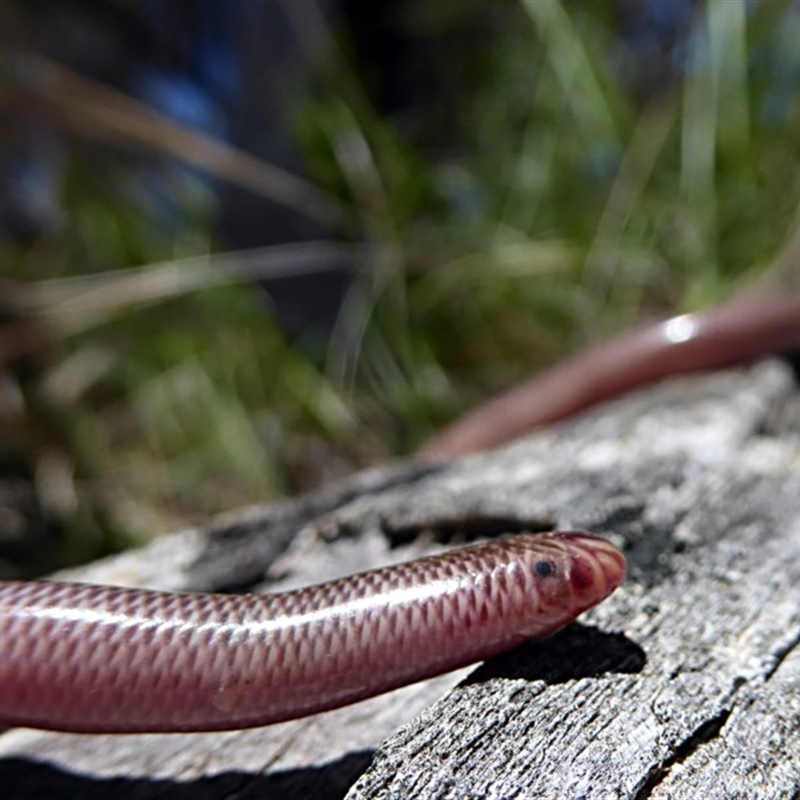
{"x":249,"y":246}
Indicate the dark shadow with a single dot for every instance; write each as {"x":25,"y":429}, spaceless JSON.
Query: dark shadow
{"x":24,"y":779}
{"x":465,"y":528}
{"x":792,"y":358}
{"x":576,"y":652}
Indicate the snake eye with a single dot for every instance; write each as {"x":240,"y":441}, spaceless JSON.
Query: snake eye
{"x":545,"y":569}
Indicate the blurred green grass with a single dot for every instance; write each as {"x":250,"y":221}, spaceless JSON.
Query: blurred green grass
{"x":554,"y":199}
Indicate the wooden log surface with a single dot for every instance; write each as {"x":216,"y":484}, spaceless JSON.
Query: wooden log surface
{"x":684,"y":684}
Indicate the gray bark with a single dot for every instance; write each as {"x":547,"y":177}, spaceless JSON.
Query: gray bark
{"x":685,"y":683}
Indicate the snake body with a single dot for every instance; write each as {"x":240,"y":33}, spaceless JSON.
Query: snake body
{"x":102,"y":659}
{"x":743,"y":329}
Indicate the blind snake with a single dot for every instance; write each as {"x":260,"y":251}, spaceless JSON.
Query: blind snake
{"x":103,"y":659}
{"x":90,"y":658}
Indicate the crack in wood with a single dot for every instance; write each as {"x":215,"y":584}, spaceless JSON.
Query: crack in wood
{"x":467,"y":527}
{"x":703,"y":734}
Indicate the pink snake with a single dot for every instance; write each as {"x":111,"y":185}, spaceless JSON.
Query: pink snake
{"x":743,"y":329}
{"x":92,"y":658}
{"x":102,"y":659}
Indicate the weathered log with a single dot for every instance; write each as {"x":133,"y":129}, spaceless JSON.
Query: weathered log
{"x":685,"y":683}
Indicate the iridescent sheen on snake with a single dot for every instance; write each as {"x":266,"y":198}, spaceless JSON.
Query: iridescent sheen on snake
{"x":102,"y":659}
